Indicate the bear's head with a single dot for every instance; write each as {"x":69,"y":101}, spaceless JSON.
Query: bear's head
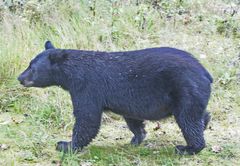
{"x":40,"y":72}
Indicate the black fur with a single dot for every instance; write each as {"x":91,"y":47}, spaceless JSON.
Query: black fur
{"x":149,"y":84}
{"x":48,"y":45}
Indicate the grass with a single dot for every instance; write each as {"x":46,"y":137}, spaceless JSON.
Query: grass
{"x":33,"y":120}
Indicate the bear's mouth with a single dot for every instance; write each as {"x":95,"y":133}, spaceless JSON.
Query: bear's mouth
{"x":27,"y":83}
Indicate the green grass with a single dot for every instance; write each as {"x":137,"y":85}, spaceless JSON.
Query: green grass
{"x":33,"y":120}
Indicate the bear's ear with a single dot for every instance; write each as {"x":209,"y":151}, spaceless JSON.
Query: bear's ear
{"x":48,"y":45}
{"x":58,"y":57}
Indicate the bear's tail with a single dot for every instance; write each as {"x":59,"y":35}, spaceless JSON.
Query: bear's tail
{"x":206,"y":119}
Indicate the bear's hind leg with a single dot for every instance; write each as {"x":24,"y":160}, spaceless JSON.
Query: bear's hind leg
{"x":206,"y":118}
{"x":137,"y":128}
{"x":192,"y":130}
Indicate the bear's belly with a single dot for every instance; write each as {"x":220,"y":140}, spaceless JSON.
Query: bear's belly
{"x":143,"y":114}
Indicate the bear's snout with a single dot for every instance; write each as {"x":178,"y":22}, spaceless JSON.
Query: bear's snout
{"x":20,"y":79}
{"x":24,"y":81}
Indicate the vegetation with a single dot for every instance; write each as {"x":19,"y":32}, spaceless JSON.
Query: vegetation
{"x":33,"y":120}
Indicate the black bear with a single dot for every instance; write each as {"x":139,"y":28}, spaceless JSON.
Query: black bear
{"x":148,"y":84}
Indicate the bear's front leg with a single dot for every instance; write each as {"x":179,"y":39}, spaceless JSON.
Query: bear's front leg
{"x":64,"y":146}
{"x":86,"y":127}
{"x":137,"y":128}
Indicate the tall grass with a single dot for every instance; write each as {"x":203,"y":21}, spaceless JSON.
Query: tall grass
{"x":114,"y":25}
{"x":71,"y":24}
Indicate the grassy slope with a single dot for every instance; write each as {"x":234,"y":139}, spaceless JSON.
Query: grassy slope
{"x":33,"y":120}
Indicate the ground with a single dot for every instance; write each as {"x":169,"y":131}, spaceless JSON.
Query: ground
{"x":33,"y":120}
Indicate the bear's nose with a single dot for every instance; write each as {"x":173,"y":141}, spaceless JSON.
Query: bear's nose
{"x":20,"y":79}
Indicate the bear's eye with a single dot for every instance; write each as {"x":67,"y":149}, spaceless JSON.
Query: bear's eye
{"x":33,"y":70}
